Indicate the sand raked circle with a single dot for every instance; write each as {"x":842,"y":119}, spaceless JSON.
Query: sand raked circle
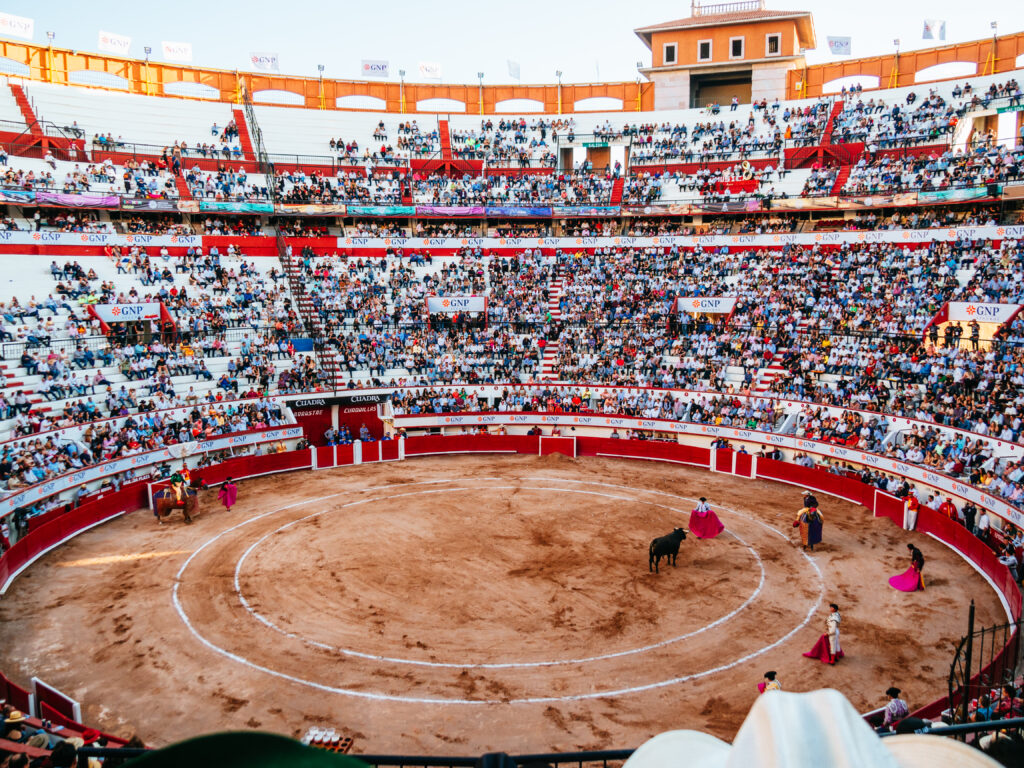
{"x":484,"y":593}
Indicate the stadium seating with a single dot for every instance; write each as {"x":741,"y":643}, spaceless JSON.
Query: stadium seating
{"x":834,"y":326}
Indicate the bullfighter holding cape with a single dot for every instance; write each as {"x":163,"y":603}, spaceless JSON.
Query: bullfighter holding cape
{"x":827,"y":649}
{"x":810,"y":521}
{"x":911,"y":579}
{"x":704,"y":523}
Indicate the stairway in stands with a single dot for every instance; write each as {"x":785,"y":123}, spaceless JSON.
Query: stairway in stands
{"x":617,"y":191}
{"x":446,"y":140}
{"x":11,"y":382}
{"x":243,"y":134}
{"x":844,"y":174}
{"x":184,"y":193}
{"x":34,"y":136}
{"x":26,"y":110}
{"x":837,"y":107}
{"x":548,"y":366}
{"x":766,"y":376}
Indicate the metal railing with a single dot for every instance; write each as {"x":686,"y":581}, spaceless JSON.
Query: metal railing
{"x":985,"y":659}
{"x":738,"y":7}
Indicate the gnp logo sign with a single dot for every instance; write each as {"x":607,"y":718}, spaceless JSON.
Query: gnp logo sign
{"x":965,"y":311}
{"x":125,"y":313}
{"x":454,"y":304}
{"x":706,"y":305}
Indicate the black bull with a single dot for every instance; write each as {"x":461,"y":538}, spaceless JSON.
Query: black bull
{"x":667,"y":547}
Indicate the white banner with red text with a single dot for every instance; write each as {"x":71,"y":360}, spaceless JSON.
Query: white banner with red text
{"x":965,"y":311}
{"x":127,"y":313}
{"x":450,"y":305}
{"x":705,"y":305}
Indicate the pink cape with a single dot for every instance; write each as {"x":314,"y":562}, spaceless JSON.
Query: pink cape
{"x":228,"y":494}
{"x":908,"y":581}
{"x":820,"y":650}
{"x":705,"y":525}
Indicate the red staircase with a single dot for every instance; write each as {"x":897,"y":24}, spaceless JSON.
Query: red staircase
{"x":26,"y":110}
{"x":837,"y":107}
{"x":844,"y":174}
{"x":33,"y":142}
{"x":184,"y":193}
{"x":243,"y":134}
{"x":446,"y":140}
{"x":617,"y":191}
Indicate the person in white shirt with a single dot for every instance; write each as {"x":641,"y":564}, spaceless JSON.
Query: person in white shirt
{"x":981,"y":530}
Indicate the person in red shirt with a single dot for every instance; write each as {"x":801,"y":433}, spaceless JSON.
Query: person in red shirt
{"x":948,"y":508}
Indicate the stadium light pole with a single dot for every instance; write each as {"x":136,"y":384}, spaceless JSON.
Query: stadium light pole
{"x":558,"y":74}
{"x":401,"y":90}
{"x":320,"y":69}
{"x":49,"y":58}
{"x":480,"y":91}
{"x":148,"y":50}
{"x":639,"y":65}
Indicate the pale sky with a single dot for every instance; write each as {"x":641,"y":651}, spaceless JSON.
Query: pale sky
{"x":588,"y":41}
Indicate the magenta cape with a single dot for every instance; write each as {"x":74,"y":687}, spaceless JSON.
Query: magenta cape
{"x":705,"y":525}
{"x":820,"y":650}
{"x":228,"y":494}
{"x":908,"y":581}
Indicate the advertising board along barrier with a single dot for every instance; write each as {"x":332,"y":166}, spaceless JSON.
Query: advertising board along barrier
{"x":138,"y":461}
{"x":921,"y":476}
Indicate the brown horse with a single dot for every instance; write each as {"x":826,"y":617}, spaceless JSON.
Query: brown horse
{"x":166,"y":501}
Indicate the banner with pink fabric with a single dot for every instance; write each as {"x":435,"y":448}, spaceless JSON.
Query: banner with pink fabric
{"x":450,"y":210}
{"x":78,"y":201}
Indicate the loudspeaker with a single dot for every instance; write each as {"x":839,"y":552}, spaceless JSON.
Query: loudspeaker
{"x":995,"y":190}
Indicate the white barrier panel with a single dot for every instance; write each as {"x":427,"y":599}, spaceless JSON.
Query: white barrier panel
{"x":116,"y":466}
{"x":892,"y":466}
{"x":1002,"y":448}
{"x":96,"y":238}
{"x":908,"y":236}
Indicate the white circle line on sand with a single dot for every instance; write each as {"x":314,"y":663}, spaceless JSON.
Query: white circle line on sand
{"x":494,"y":665}
{"x":429,"y":700}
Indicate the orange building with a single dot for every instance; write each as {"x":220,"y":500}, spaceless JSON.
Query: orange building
{"x":736,"y":49}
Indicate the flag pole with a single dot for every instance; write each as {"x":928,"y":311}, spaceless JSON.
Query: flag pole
{"x":894,"y":76}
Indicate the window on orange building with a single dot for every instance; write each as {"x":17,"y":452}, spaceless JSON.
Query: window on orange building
{"x":703,"y":50}
{"x":669,"y":54}
{"x":772,"y":45}
{"x":735,"y":47}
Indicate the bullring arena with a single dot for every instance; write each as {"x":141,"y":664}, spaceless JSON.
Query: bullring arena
{"x":487,"y":421}
{"x":495,"y":602}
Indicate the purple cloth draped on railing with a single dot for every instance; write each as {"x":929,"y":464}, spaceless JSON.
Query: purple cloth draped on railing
{"x":87,"y":200}
{"x":450,"y":210}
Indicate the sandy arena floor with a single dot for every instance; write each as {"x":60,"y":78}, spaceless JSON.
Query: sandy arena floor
{"x":457,"y":605}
